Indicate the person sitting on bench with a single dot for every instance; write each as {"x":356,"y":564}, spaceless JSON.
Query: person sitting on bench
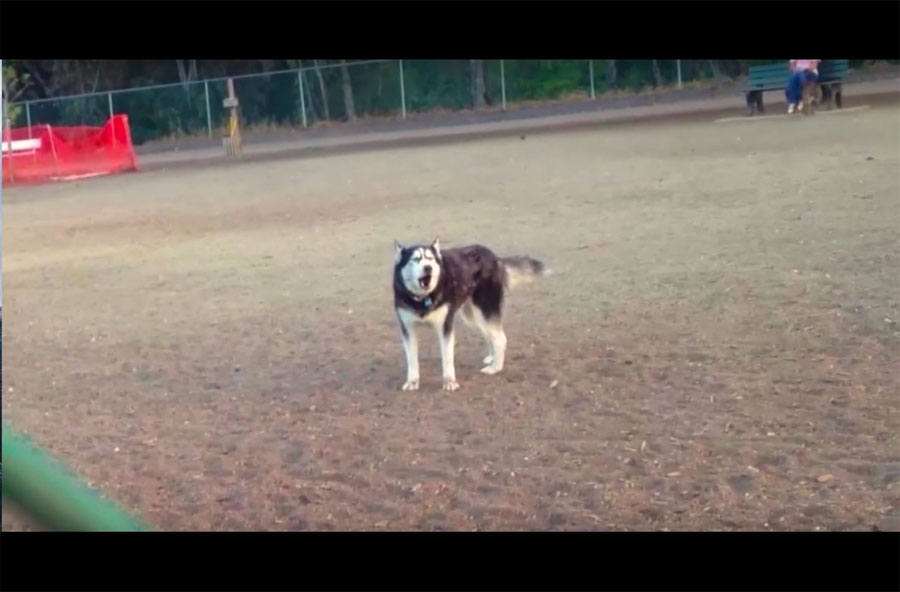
{"x":803,"y":72}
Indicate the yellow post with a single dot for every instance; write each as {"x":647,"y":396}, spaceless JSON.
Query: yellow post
{"x":232,"y":139}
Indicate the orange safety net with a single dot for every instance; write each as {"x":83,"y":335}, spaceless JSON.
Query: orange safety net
{"x":43,"y":153}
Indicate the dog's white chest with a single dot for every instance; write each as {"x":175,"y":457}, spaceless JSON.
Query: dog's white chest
{"x":434,"y":317}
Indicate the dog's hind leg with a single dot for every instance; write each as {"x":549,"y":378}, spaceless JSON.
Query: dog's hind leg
{"x":498,"y":346}
{"x":473,"y":318}
{"x":492,"y":329}
{"x":488,"y":302}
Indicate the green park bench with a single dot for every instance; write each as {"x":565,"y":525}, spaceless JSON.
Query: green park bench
{"x":775,"y":77}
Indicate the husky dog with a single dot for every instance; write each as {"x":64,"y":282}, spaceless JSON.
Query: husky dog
{"x":431,"y":285}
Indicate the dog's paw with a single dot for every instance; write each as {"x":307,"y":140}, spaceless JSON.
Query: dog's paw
{"x":490,"y":369}
{"x":411,"y":385}
{"x":488,"y":359}
{"x":450,"y":385}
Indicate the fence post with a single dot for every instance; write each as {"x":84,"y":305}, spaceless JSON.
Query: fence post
{"x":591,"y":71}
{"x":110,"y":104}
{"x":402,"y":91}
{"x":28,"y":117}
{"x":208,"y":111}
{"x":7,"y":125}
{"x":302,"y":98}
{"x":678,"y":68}
{"x":502,"y":86}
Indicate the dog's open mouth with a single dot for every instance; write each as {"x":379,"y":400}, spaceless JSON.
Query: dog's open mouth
{"x":425,"y":281}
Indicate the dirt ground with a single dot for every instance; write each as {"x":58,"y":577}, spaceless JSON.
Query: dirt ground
{"x":215,"y":347}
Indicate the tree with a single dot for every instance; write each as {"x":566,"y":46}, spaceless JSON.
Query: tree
{"x":322,"y":89}
{"x":309,"y":99}
{"x":14,"y":85}
{"x":476,"y":69}
{"x":186,"y":73}
{"x":66,"y":77}
{"x":716,"y":71}
{"x":612,"y":74}
{"x":309,"y":102}
{"x":657,"y":75}
{"x":348,"y":92}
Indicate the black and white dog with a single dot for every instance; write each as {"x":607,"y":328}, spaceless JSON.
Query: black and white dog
{"x":431,"y":285}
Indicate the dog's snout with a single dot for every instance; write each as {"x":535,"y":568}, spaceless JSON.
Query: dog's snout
{"x":427,"y":269}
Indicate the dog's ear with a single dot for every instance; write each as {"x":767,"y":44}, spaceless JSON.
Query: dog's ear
{"x":436,"y":245}
{"x":398,"y":252}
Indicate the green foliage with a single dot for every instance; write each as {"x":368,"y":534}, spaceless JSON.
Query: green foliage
{"x":437,"y":84}
{"x":531,"y":80}
{"x":14,"y":85}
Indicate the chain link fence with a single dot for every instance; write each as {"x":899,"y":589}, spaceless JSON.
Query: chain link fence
{"x":309,"y":96}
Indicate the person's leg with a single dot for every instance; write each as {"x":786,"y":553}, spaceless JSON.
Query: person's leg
{"x":793,"y":91}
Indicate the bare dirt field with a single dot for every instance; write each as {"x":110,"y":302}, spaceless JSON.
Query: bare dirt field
{"x":718,"y":348}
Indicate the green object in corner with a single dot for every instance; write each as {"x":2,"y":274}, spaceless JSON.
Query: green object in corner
{"x":40,"y":485}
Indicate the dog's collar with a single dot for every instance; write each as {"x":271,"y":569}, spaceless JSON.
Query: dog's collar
{"x":427,"y":301}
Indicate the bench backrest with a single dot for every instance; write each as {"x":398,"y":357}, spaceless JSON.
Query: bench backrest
{"x":768,"y":76}
{"x":776,"y":75}
{"x":833,"y":70}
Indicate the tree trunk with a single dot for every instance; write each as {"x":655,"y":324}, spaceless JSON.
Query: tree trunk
{"x":186,"y":72}
{"x":348,"y":92}
{"x":322,"y":89}
{"x":478,"y":86}
{"x":309,"y":99}
{"x":657,"y":75}
{"x":716,"y":71}
{"x":36,"y":73}
{"x":310,"y":106}
{"x":612,"y":74}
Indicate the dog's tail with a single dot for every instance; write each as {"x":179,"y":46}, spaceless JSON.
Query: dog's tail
{"x":520,"y":269}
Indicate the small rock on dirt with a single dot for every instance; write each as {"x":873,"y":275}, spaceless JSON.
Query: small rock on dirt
{"x":557,"y":519}
{"x":741,"y":483}
{"x":824,"y":478}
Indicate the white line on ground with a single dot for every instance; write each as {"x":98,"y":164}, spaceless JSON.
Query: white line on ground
{"x":785,"y":115}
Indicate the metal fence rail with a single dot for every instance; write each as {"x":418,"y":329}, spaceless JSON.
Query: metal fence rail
{"x":41,"y":486}
{"x":307,"y":95}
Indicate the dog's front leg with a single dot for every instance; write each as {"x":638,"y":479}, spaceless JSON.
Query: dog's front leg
{"x":448,"y":341}
{"x":411,"y":346}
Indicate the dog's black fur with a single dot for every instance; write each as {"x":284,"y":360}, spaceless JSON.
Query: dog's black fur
{"x":466,"y":272}
{"x":470,"y":280}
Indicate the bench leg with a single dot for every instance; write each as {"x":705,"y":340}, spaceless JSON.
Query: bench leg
{"x":827,"y":96}
{"x":839,"y":95}
{"x":760,"y":108}
{"x":751,"y":102}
